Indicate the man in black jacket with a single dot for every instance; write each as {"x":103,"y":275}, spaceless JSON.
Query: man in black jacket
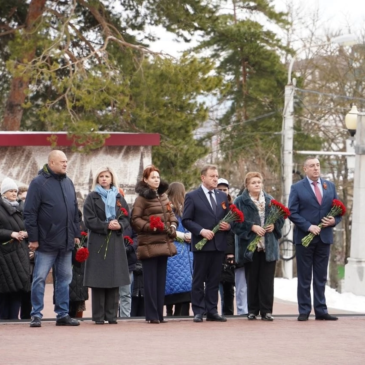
{"x":52,"y":222}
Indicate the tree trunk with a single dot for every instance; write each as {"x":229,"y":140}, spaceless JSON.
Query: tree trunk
{"x":19,"y":85}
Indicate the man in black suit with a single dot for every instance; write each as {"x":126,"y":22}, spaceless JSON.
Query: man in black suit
{"x":203,"y":209}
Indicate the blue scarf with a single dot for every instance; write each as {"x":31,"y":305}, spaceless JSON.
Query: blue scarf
{"x":109,"y":198}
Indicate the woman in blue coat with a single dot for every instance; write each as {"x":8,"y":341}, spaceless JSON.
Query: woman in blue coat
{"x":179,"y":267}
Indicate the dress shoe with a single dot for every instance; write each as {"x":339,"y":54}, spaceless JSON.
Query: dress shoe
{"x":154,"y":321}
{"x":251,"y":316}
{"x":99,"y":322}
{"x":267,"y":317}
{"x":35,"y":322}
{"x":216,"y":318}
{"x":303,"y":317}
{"x":113,"y":322}
{"x":67,"y":321}
{"x":163,"y":321}
{"x":326,"y":317}
{"x":198,"y":318}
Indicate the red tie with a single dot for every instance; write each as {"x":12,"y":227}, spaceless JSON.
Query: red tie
{"x":317,"y":192}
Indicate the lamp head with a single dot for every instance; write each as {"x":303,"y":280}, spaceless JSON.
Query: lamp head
{"x":351,"y":120}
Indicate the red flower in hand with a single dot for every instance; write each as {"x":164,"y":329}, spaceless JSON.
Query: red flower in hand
{"x":128,"y":240}
{"x":82,"y":254}
{"x":156,"y":224}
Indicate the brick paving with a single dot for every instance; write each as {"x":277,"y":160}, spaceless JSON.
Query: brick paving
{"x":180,"y":341}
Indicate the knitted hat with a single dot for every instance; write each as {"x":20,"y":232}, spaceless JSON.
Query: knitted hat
{"x":8,"y":184}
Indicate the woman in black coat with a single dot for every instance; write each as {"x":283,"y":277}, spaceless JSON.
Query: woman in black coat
{"x":106,"y":269}
{"x":14,"y":253}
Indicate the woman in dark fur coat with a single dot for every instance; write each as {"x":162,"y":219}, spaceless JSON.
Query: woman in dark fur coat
{"x":154,"y":246}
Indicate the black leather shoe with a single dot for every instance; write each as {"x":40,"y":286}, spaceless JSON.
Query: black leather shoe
{"x":113,"y":322}
{"x":35,"y":322}
{"x":251,"y":317}
{"x":99,"y":322}
{"x":67,"y":321}
{"x":164,"y":321}
{"x":303,"y":317}
{"x":267,"y":317}
{"x":154,"y":321}
{"x":198,"y":318}
{"x":326,"y":317}
{"x":216,"y":318}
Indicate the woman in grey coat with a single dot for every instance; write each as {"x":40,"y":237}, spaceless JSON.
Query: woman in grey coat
{"x":106,"y":215}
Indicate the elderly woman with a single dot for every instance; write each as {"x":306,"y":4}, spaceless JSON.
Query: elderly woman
{"x":106,"y":269}
{"x":154,"y":245}
{"x":260,"y":265}
{"x":14,"y":253}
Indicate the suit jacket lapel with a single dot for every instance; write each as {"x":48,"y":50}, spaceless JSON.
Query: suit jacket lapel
{"x":205,"y":200}
{"x":307,"y":185}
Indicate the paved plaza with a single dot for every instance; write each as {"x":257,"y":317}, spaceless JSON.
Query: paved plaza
{"x":180,"y":341}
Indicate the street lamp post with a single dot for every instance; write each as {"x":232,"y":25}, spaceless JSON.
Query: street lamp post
{"x":288,"y":139}
{"x":355,"y":268}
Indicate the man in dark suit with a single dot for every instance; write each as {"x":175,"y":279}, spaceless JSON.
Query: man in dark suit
{"x":310,"y":200}
{"x":203,"y":209}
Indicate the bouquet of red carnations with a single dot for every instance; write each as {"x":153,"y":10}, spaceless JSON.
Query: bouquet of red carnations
{"x":82,"y":252}
{"x":338,"y":209}
{"x":234,"y":215}
{"x":277,"y":210}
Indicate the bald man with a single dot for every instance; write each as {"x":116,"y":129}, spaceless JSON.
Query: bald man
{"x":52,"y":222}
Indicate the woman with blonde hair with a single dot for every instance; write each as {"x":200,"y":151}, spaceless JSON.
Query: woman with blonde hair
{"x":106,"y":215}
{"x":179,"y":267}
{"x":154,"y":245}
{"x":260,"y":265}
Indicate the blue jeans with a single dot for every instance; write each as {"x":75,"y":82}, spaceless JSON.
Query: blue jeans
{"x":62,"y":272}
{"x":125,"y":298}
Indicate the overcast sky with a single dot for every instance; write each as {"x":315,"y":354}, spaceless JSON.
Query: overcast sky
{"x":336,"y":13}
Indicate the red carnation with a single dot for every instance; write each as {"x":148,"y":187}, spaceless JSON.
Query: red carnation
{"x":82,"y":254}
{"x":129,"y":240}
{"x":338,"y":209}
{"x":156,"y":224}
{"x":124,"y":211}
{"x":84,"y":233}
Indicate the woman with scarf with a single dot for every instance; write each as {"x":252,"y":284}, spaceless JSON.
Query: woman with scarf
{"x":106,"y":215}
{"x":14,"y":253}
{"x":260,"y":265}
{"x":155,"y":245}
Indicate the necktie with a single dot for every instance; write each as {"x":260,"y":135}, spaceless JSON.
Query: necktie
{"x":212,"y":202}
{"x":317,"y":192}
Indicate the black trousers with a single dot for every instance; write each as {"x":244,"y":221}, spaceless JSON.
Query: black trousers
{"x":137,"y":306}
{"x":227,"y":298}
{"x":10,"y":305}
{"x":207,"y":269}
{"x":178,"y":309}
{"x":260,"y":284}
{"x":104,"y":304}
{"x":154,"y":280}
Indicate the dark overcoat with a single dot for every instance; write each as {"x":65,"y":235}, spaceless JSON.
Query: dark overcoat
{"x":14,"y":255}
{"x":244,"y":234}
{"x":107,"y":265}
